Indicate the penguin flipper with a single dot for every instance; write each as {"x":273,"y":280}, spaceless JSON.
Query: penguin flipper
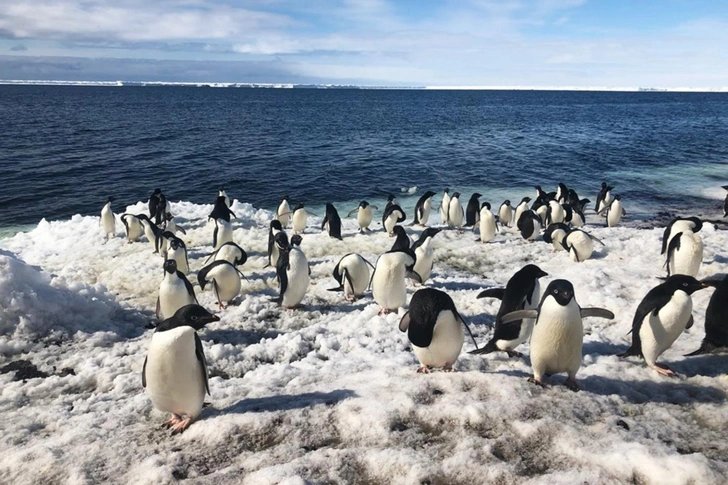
{"x":595,"y":239}
{"x":519,"y":315}
{"x":214,"y":236}
{"x":597,"y":312}
{"x":404,"y":322}
{"x":351,"y":213}
{"x":467,"y":327}
{"x":158,"y":310}
{"x":690,"y":323}
{"x":414,"y":275}
{"x":200,"y":353}
{"x":338,"y":288}
{"x":347,"y":276}
{"x":188,"y":285}
{"x":144,"y":372}
{"x":489,"y":348}
{"x":182,"y":230}
{"x":498,"y":293}
{"x":215,"y":292}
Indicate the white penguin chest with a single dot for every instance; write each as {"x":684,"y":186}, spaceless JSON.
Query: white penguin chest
{"x":227,"y":281}
{"x":173,"y":295}
{"x":557,"y":338}
{"x":425,"y":255}
{"x":688,"y":258}
{"x":299,"y":220}
{"x":364,"y":216}
{"x":658,"y":333}
{"x":487,"y":225}
{"x":388,"y":284}
{"x":614,"y":214}
{"x":358,"y":272}
{"x":447,"y":342}
{"x":180,"y":258}
{"x":298,"y":278}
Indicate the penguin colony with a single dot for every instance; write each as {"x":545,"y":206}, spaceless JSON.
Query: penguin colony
{"x":175,"y":369}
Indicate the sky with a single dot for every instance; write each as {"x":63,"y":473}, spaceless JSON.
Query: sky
{"x":616,"y":43}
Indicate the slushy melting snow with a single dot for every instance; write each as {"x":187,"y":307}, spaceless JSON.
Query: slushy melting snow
{"x":329,"y":393}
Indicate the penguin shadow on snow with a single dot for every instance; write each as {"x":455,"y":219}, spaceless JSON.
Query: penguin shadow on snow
{"x":285,"y":402}
{"x":708,"y":365}
{"x":662,"y":390}
{"x":457,"y":285}
{"x":237,"y":336}
{"x":602,"y":348}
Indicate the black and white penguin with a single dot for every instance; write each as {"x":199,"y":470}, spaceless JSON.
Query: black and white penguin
{"x":505,"y":213}
{"x":225,"y":279}
{"x":332,"y":222}
{"x":273,"y":251}
{"x":444,"y":205}
{"x":151,"y":231}
{"x":683,"y":246}
{"x":162,"y":209}
{"x":555,"y":213}
{"x":221,"y":210}
{"x":472,"y":211}
{"x":614,"y":211}
{"x":455,"y":214}
{"x":604,"y":198}
{"x":353,"y":274}
{"x":662,"y":315}
{"x":389,"y":288}
{"x":578,"y":219}
{"x":522,"y":206}
{"x":221,"y":193}
{"x":554,"y":235}
{"x":108,"y":220}
{"x":558,"y":334}
{"x":393,"y":214}
{"x":292,"y":271}
{"x":572,"y":199}
{"x":488,"y":223}
{"x":401,"y":239}
{"x":132,"y":227}
{"x":542,"y":198}
{"x":521,"y":291}
{"x":230,"y":252}
{"x":434,"y":327}
{"x":579,"y":244}
{"x":423,"y":208}
{"x":529,"y":224}
{"x":175,"y":291}
{"x":170,"y":224}
{"x":424,"y":252}
{"x":562,"y":193}
{"x":177,"y":250}
{"x":716,"y":318}
{"x":299,"y":219}
{"x":154,"y":202}
{"x":725,"y":202}
{"x":175,"y":370}
{"x":283,"y":213}
{"x":222,"y":233}
{"x":364,"y":215}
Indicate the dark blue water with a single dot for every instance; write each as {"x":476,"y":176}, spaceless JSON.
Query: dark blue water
{"x":64,"y":149}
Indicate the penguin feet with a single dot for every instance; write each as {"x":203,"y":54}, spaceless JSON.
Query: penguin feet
{"x":221,"y":306}
{"x":536,"y":381}
{"x":351,"y":299}
{"x":572,"y":385}
{"x":384,"y":311}
{"x":513,"y":353}
{"x":173,"y":421}
{"x":664,"y":370}
{"x":423,"y":369}
{"x":449,"y":368}
{"x":181,"y":426}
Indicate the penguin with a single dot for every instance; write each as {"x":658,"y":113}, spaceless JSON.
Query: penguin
{"x":423,"y":208}
{"x":455,"y":212}
{"x":175,"y":370}
{"x":402,"y":240}
{"x":221,"y":193}
{"x":332,"y":222}
{"x":393,"y":214}
{"x":444,"y":204}
{"x":604,"y":198}
{"x":363,"y":215}
{"x":151,"y":231}
{"x":170,"y":224}
{"x":522,"y":206}
{"x":558,"y":334}
{"x":299,"y":219}
{"x":521,"y":291}
{"x":472,"y":211}
{"x":716,"y":318}
{"x":581,"y":205}
{"x":221,"y":210}
{"x":222,"y":233}
{"x":225,"y":279}
{"x":562,"y":193}
{"x":572,"y":199}
{"x":108,"y":220}
{"x":133,"y":227}
{"x":683,"y":246}
{"x":162,"y":209}
{"x":725,"y":202}
{"x":164,"y":241}
{"x":555,"y":213}
{"x":175,"y":291}
{"x":434,"y":327}
{"x":353,"y":274}
{"x":230,"y":252}
{"x":505,"y":213}
{"x":283,"y":213}
{"x":388,"y":281}
{"x":292,"y":271}
{"x":555,"y":234}
{"x":662,"y":315}
{"x":391,"y":200}
{"x":176,"y":250}
{"x":542,"y":213}
{"x":424,"y":253}
{"x":542,"y":198}
{"x":614,"y":211}
{"x":154,"y":200}
{"x":488,"y":224}
{"x":273,"y":251}
{"x":529,"y":224}
{"x":579,"y":244}
{"x":577,"y":216}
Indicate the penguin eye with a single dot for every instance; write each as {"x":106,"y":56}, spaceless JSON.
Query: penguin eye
{"x":193,"y":317}
{"x":556,"y":292}
{"x":685,"y":284}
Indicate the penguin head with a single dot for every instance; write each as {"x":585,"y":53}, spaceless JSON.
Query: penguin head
{"x":296,"y":240}
{"x":175,"y":244}
{"x":682,"y":282}
{"x":697,"y":223}
{"x":533,"y":271}
{"x":456,"y":195}
{"x":286,"y":198}
{"x":170,"y":266}
{"x":617,"y":197}
{"x":157,"y":191}
{"x":561,"y":290}
{"x":222,"y":189}
{"x":193,"y":315}
{"x":276,"y":224}
{"x":330,"y":207}
{"x":507,"y":202}
{"x":430,"y":232}
{"x":110,"y":199}
{"x":299,"y":206}
{"x":526,"y":200}
{"x":391,"y":198}
{"x":562,"y":186}
{"x":604,"y":185}
{"x":363,"y":204}
{"x":447,"y":190}
{"x":429,"y":194}
{"x":486,"y":205}
{"x":476,"y":196}
{"x":281,"y":241}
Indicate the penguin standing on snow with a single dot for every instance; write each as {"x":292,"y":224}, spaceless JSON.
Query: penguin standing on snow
{"x":292,"y":271}
{"x":662,"y":315}
{"x":523,"y":206}
{"x":151,"y":231}
{"x":162,"y":209}
{"x":393,"y":214}
{"x":604,"y":198}
{"x":230,"y":252}
{"x":614,"y":211}
{"x":222,"y":233}
{"x":175,"y":291}
{"x":521,"y":291}
{"x":558,"y":334}
{"x":555,"y":213}
{"x":389,"y":288}
{"x":529,"y":224}
{"x":332,"y":222}
{"x":455,"y":212}
{"x":176,"y":250}
{"x":444,"y":205}
{"x":175,"y":370}
{"x":683,"y":246}
{"x":472,"y":211}
{"x":299,"y":219}
{"x":221,"y":210}
{"x":154,"y":202}
{"x":725,"y":203}
{"x":225,"y":279}
{"x":353,"y":275}
{"x":132,"y":227}
{"x":170,"y":224}
{"x":488,"y":224}
{"x":283,"y":213}
{"x":108,"y":220}
{"x":434,"y":327}
{"x":364,"y":215}
{"x":716,"y":318}
{"x":423,"y":208}
{"x":401,"y":239}
{"x":273,"y":251}
{"x":424,"y":253}
{"x":505,"y":213}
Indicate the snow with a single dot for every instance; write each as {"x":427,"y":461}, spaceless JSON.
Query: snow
{"x":329,"y":393}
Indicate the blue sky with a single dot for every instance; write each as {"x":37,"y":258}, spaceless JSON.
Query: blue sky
{"x":669,"y":43}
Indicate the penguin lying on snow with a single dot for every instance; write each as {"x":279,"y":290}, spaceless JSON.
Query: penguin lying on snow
{"x":332,"y":222}
{"x":433,"y":326}
{"x":108,"y":221}
{"x":558,"y":334}
{"x":423,"y":208}
{"x":353,"y":275}
{"x":662,"y":315}
{"x":683,"y":246}
{"x":175,"y":291}
{"x":529,"y":224}
{"x":364,"y":215}
{"x":225,"y":280}
{"x":521,"y":291}
{"x":716,"y":318}
{"x":175,"y":370}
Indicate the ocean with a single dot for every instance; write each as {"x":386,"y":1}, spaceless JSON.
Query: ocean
{"x":64,"y":149}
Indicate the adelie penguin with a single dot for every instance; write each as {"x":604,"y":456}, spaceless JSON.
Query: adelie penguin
{"x":523,"y":206}
{"x":521,"y":292}
{"x":393,"y":215}
{"x":435,"y":329}
{"x":716,"y":318}
{"x":108,"y":220}
{"x":424,"y":253}
{"x":615,"y":211}
{"x":604,"y":198}
{"x":175,"y":291}
{"x":151,"y":231}
{"x":364,"y":215}
{"x":176,"y":250}
{"x":662,"y":315}
{"x":222,"y":233}
{"x":299,"y":219}
{"x":562,"y":193}
{"x":353,"y":275}
{"x":488,"y":223}
{"x":444,"y":205}
{"x":332,"y":222}
{"x":221,"y":210}
{"x":684,"y":247}
{"x":455,"y":214}
{"x":579,"y":245}
{"x":554,"y":235}
{"x":725,"y":203}
{"x":529,"y":224}
{"x":423,"y":208}
{"x":558,"y":334}
{"x":156,"y":200}
{"x":283,"y":213}
{"x":555,"y":213}
{"x":389,"y":288}
{"x":175,"y":370}
{"x":273,"y":251}
{"x":221,"y":193}
{"x":132,"y":227}
{"x":225,"y":279}
{"x":505,"y":213}
{"x":230,"y":252}
{"x":292,"y":271}
{"x":472,"y":211}
{"x":401,"y":239}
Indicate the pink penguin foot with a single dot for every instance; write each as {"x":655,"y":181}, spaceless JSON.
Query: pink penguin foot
{"x":173,"y":421}
{"x":664,"y":370}
{"x":181,"y":426}
{"x":423,"y":370}
{"x":536,"y":381}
